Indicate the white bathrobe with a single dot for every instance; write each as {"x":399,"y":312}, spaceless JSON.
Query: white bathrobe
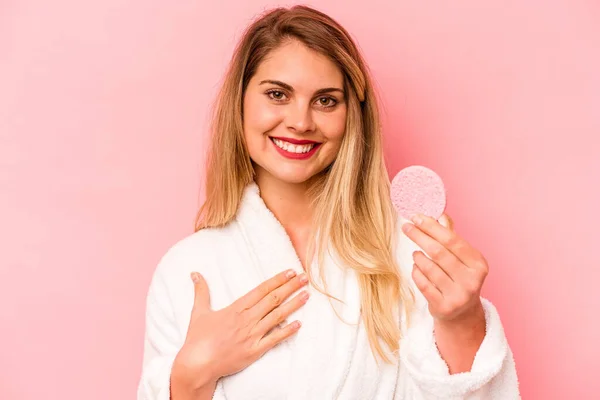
{"x":327,"y":358}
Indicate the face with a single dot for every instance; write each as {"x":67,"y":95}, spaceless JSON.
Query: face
{"x":294,"y":114}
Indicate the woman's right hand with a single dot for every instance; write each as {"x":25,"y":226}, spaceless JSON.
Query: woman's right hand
{"x":221,"y":343}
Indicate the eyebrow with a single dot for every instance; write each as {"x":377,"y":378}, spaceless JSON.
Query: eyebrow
{"x":291,"y":89}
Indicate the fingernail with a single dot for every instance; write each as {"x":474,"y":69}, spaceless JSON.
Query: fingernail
{"x":407,"y":227}
{"x":417,"y":220}
{"x":290,"y":274}
{"x":195,"y":277}
{"x":303,"y":278}
{"x":445,"y":221}
{"x":304,"y":296}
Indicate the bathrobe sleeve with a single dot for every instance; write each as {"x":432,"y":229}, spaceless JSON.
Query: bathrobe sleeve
{"x":162,"y":340}
{"x":493,"y":374}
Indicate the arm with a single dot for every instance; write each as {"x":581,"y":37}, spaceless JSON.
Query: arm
{"x":183,"y":389}
{"x":491,"y":374}
{"x":458,"y":341}
{"x":455,"y":347}
{"x":161,"y":341}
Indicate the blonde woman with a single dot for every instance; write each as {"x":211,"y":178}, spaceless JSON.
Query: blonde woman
{"x":300,"y":281}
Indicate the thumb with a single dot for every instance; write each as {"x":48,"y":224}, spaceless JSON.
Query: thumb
{"x":201,"y":293}
{"x":446,"y":221}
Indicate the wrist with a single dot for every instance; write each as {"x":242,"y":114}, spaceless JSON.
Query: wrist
{"x":191,"y":377}
{"x":468,"y":324}
{"x":459,"y":339}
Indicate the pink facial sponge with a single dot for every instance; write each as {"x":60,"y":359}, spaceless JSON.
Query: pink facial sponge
{"x":418,"y":190}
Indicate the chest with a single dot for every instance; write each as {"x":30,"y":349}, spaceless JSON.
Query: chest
{"x":329,"y":357}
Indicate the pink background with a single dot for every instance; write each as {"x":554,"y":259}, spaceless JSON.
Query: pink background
{"x":103,"y":110}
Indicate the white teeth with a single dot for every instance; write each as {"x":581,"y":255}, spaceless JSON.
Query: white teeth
{"x":293,"y":148}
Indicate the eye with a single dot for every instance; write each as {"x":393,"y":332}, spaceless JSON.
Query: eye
{"x":327,"y":102}
{"x":276,"y":95}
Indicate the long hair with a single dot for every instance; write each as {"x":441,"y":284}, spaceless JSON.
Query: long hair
{"x":352,"y":206}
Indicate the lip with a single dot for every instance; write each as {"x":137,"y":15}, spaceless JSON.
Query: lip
{"x":294,"y":141}
{"x":296,"y":156}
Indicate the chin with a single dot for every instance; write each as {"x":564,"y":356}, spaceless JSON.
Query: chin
{"x":286,"y":171}
{"x":293,"y":175}
{"x":296,"y":179}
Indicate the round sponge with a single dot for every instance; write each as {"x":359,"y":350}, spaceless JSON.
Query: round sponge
{"x":418,"y":190}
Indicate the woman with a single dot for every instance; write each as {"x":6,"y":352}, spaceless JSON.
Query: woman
{"x":306,"y":285}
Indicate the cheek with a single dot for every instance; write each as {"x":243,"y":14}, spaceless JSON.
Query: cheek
{"x":335,"y":127}
{"x":259,"y":117}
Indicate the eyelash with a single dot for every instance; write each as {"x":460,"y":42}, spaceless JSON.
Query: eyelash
{"x":270,"y":92}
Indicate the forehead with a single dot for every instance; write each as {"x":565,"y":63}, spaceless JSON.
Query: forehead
{"x":297,"y":65}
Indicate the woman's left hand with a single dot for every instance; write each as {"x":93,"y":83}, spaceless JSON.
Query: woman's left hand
{"x":452,"y":278}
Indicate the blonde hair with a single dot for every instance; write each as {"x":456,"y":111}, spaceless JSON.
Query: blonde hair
{"x":351,"y":198}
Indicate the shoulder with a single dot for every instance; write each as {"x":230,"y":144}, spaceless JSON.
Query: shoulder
{"x":194,"y":252}
{"x":203,"y":251}
{"x":170,"y":294}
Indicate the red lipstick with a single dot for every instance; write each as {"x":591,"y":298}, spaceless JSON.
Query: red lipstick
{"x":297,"y":156}
{"x":295,"y":141}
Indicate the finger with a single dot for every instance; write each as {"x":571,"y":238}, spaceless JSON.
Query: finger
{"x":251,"y":298}
{"x":431,"y":293}
{"x":201,"y":293}
{"x":278,"y":335}
{"x":449,"y":239}
{"x":279,"y":314}
{"x":433,"y":272}
{"x":277,"y":297}
{"x":435,"y":250}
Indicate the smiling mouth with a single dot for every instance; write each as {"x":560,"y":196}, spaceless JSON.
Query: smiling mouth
{"x":294,"y":148}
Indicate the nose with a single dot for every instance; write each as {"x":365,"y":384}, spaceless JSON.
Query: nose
{"x":299,"y":118}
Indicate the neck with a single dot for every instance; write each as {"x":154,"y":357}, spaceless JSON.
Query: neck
{"x":289,"y":202}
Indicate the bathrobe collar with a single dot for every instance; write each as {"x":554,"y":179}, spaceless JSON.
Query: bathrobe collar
{"x":323,"y":339}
